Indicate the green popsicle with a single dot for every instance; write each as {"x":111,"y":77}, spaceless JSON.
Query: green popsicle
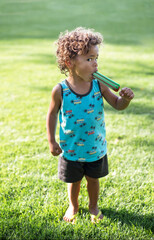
{"x":107,"y":81}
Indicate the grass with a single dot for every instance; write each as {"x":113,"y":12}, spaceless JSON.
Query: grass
{"x":33,"y":200}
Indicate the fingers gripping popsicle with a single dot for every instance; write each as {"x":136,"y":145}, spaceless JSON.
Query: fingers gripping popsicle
{"x":107,"y":81}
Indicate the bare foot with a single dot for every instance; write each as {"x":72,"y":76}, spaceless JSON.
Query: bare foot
{"x":70,"y":214}
{"x":96,"y":215}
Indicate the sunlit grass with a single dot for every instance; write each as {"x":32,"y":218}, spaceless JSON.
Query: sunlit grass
{"x":33,"y":200}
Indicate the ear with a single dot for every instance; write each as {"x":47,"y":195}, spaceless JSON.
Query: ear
{"x":69,"y":64}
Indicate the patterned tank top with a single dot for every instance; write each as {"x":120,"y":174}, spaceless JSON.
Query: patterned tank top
{"x":82,"y":125}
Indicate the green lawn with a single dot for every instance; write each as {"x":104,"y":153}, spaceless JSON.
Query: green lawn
{"x":32,"y":199}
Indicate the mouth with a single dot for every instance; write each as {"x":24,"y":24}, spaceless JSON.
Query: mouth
{"x":92,"y":77}
{"x":93,"y":73}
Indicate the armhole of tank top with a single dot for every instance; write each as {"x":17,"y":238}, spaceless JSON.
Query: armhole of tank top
{"x":99,"y":87}
{"x":61,"y":90}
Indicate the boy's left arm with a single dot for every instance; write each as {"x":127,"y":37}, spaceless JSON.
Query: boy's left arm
{"x":119,"y":103}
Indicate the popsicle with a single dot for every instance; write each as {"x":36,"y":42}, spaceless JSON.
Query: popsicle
{"x":107,"y":81}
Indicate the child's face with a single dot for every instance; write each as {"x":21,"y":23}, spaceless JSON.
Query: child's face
{"x":83,"y":66}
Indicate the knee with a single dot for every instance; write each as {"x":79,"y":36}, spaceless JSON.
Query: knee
{"x":92,"y":180}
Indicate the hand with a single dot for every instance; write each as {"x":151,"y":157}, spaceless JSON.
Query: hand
{"x":55,"y":149}
{"x":127,"y":94}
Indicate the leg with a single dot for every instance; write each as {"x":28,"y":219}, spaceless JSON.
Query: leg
{"x":93,"y":191}
{"x":73,"y":193}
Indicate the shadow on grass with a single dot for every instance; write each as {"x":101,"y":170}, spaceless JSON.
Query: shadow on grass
{"x":146,"y":221}
{"x":134,"y":67}
{"x":142,"y":92}
{"x":54,"y":36}
{"x":42,"y":227}
{"x":136,"y":109}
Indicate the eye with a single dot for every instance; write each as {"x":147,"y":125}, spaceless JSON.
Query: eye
{"x":89,"y":59}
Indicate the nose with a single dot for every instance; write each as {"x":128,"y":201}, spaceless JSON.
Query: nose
{"x":95,"y":63}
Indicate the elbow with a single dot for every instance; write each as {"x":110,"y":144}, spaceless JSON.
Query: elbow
{"x":120,"y":108}
{"x":121,"y":104}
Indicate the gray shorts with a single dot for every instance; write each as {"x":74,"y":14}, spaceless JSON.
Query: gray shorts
{"x":72,"y":171}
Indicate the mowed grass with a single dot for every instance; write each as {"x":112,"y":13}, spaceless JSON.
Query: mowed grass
{"x":33,"y":200}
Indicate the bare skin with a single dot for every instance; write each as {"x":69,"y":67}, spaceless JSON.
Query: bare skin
{"x":93,"y":191}
{"x":73,"y":193}
{"x":81,"y":71}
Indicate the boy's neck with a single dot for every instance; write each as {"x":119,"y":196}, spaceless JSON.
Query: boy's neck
{"x":78,"y":85}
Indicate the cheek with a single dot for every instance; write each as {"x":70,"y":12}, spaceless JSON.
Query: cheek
{"x":82,"y":68}
{"x":85,"y":66}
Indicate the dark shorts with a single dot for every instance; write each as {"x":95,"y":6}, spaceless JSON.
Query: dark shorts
{"x":71,"y":171}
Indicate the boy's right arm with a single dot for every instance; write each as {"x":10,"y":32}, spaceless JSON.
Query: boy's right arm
{"x":51,"y":123}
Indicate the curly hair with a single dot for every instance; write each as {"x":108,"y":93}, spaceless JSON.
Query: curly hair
{"x":76,"y":42}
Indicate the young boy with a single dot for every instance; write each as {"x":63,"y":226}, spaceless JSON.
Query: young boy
{"x":79,"y":102}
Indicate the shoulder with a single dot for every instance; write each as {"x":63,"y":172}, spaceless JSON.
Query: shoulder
{"x":56,"y":92}
{"x":57,"y":89}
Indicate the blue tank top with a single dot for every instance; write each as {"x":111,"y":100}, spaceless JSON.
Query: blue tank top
{"x":82,"y":126}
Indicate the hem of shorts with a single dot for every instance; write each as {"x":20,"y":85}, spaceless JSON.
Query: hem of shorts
{"x":70,"y":181}
{"x":83,"y":161}
{"x":104,"y":175}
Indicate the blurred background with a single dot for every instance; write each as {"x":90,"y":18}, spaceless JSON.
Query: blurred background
{"x":33,"y":201}
{"x":121,"y":22}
